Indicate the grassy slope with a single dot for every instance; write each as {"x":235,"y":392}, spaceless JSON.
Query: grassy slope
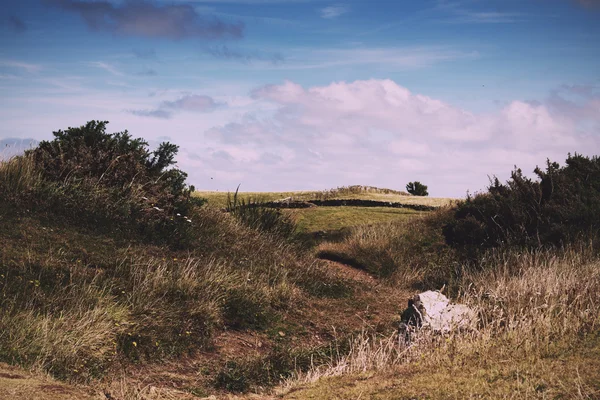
{"x":570,"y":373}
{"x":540,"y":339}
{"x":312,"y":322}
{"x":34,"y":247}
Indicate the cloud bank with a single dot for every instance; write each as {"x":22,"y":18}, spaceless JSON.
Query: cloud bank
{"x":379,"y":133}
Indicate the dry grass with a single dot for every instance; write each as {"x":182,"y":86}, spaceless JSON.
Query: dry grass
{"x":75,"y":303}
{"x":18,"y":174}
{"x":536,"y":309}
{"x":219,"y":199}
{"x":406,"y":252}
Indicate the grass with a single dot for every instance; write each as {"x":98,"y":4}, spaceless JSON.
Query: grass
{"x":219,"y":199}
{"x":572,"y":374}
{"x":407,"y":252}
{"x":77,"y":302}
{"x":317,"y":219}
{"x":244,"y":308}
{"x":538,"y":337}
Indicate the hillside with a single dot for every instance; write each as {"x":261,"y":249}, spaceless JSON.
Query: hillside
{"x":118,"y":282}
{"x":102,"y":285}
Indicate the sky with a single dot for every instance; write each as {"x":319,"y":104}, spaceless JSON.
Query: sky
{"x":278,"y":95}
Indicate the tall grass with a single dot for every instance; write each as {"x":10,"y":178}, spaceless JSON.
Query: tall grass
{"x":75,"y":314}
{"x":410,"y":252}
{"x":531,"y":305}
{"x":18,"y":174}
{"x":252,"y":214}
{"x":73,"y":325}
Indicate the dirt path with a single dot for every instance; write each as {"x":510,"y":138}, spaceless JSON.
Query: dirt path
{"x":16,"y":383}
{"x":357,"y":275}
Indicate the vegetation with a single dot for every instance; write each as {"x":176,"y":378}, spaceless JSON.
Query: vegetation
{"x":409,"y":252}
{"x":219,"y":199}
{"x":416,"y":188}
{"x":108,"y":181}
{"x":538,"y":338}
{"x":111,"y":267}
{"x":85,"y":287}
{"x":254,"y":215}
{"x":531,"y":272}
{"x":562,"y":206}
{"x":323,"y":219}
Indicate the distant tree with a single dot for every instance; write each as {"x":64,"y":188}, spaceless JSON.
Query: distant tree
{"x":416,"y":188}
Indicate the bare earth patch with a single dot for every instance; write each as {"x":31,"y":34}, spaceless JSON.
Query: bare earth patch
{"x":16,"y":383}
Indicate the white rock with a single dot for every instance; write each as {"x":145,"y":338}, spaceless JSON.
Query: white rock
{"x":433,"y":310}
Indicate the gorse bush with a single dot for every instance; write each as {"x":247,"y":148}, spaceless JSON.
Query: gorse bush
{"x":561,"y":206}
{"x":105,"y":180}
{"x":113,"y":160}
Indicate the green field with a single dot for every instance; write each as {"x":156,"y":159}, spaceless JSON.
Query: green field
{"x":317,"y":219}
{"x":331,"y":219}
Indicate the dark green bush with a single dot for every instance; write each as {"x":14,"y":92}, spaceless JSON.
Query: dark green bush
{"x":113,"y":180}
{"x":416,"y":188}
{"x":560,"y":206}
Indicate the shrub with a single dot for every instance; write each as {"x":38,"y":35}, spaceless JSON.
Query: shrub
{"x":416,"y":188}
{"x":109,"y":181}
{"x":561,"y":206}
{"x":112,"y":160}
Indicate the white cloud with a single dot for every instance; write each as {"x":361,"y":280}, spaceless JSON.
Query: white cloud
{"x":374,"y":132}
{"x":378,"y":132}
{"x":334,"y":11}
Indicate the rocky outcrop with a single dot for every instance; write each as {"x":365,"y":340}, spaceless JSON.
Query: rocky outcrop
{"x":433,"y":310}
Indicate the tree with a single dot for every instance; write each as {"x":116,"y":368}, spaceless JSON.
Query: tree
{"x":416,"y":188}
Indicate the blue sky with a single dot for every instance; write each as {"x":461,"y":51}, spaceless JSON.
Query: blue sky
{"x":313,"y":94}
